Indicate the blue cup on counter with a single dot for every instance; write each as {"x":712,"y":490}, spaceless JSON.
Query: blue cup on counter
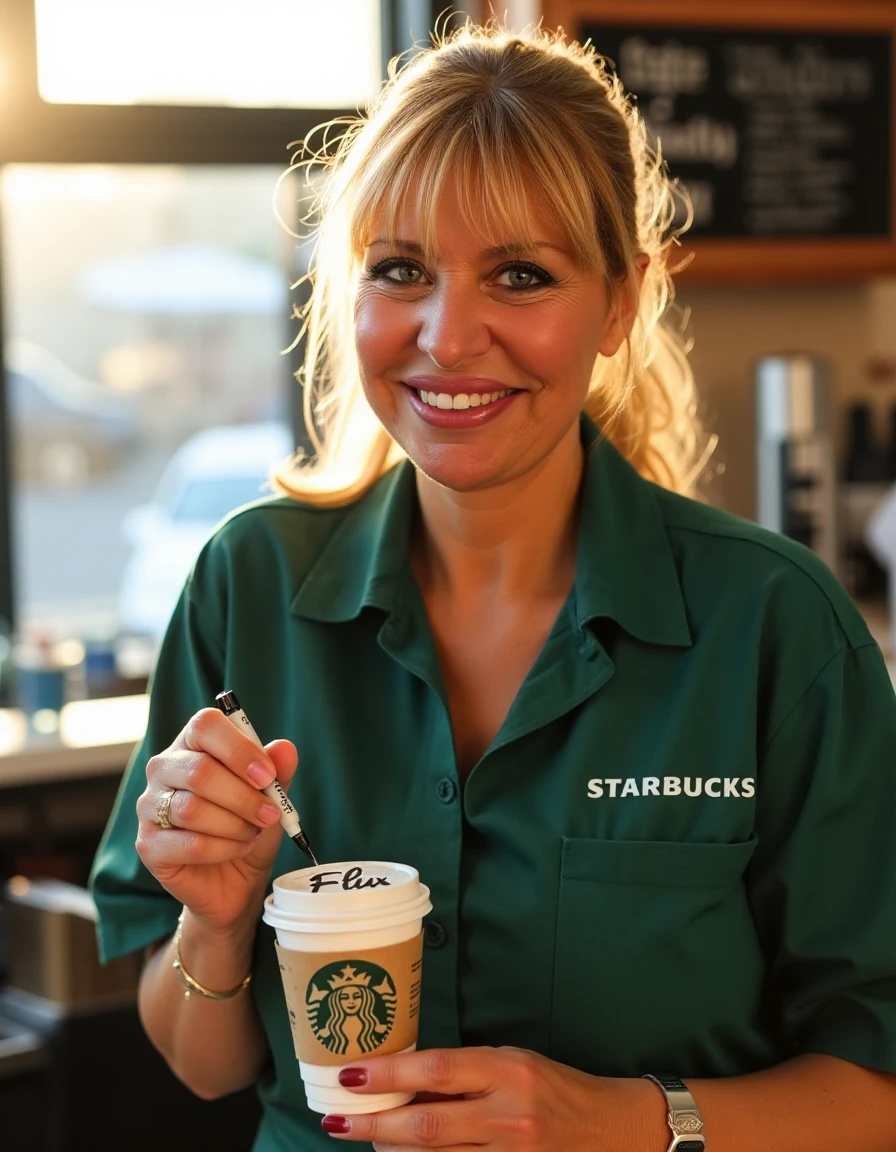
{"x":100,"y":666}
{"x":40,"y":689}
{"x":39,"y":681}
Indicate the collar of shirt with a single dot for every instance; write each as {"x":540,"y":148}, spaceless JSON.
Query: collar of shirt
{"x":625,"y":569}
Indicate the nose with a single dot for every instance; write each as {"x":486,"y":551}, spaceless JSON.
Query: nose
{"x":452,"y":325}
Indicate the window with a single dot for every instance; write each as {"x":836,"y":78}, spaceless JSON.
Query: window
{"x":145,"y":306}
{"x":114,"y":221}
{"x":267,"y":54}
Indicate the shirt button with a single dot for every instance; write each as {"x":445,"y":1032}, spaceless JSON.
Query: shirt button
{"x":434,"y":934}
{"x":446,"y":790}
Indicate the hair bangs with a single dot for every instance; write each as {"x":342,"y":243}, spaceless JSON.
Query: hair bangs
{"x":504,"y":189}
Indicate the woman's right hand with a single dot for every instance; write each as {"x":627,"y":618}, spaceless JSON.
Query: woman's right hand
{"x":217,"y":856}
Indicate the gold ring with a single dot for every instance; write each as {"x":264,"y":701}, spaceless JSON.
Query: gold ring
{"x":163,"y":810}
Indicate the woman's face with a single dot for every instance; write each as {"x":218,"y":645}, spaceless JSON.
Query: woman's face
{"x":436,"y":343}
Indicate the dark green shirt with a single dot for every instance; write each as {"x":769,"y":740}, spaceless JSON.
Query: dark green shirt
{"x":679,"y":852}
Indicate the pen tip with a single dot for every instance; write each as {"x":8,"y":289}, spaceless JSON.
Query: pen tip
{"x":302,"y":840}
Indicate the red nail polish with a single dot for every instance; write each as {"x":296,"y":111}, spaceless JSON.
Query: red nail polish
{"x":353,"y":1077}
{"x":337,"y":1124}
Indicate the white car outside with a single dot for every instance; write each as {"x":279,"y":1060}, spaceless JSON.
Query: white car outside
{"x":210,"y":475}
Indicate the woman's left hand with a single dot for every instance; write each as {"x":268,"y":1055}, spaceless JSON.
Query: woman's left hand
{"x":501,"y":1099}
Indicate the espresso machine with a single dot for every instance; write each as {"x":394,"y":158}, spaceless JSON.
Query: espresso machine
{"x":795,"y":465}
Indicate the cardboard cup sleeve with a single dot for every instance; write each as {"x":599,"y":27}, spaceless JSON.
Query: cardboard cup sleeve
{"x":349,"y":1004}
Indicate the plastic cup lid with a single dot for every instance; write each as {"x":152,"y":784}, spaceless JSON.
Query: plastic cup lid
{"x":342,"y":894}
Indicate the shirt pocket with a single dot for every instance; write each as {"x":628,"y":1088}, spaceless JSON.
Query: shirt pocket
{"x":656,"y":963}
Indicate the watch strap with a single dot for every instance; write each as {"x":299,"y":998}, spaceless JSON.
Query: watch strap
{"x":683,"y":1116}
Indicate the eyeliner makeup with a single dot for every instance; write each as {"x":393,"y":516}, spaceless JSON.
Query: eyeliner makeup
{"x":289,"y":818}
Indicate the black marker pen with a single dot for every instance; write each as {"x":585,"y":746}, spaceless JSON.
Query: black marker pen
{"x":289,"y":818}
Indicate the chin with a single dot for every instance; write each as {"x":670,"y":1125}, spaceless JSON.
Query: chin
{"x":457,"y":470}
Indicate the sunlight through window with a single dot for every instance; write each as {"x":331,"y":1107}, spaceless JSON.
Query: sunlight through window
{"x":268,"y":54}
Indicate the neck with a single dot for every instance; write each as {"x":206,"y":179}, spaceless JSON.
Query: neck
{"x":517,"y":538}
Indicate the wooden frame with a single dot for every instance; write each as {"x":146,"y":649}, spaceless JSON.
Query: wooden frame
{"x":724,"y":260}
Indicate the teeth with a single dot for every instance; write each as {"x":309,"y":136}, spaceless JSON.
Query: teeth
{"x":462,"y":400}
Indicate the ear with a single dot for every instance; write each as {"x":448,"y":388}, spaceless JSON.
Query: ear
{"x":624,"y":309}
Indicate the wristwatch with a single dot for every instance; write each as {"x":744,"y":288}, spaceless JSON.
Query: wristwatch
{"x":684,"y":1116}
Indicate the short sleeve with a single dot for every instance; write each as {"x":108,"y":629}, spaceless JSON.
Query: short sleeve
{"x":822,"y":883}
{"x":133,"y":908}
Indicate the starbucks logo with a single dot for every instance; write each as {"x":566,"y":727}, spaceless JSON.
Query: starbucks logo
{"x":351,"y":1006}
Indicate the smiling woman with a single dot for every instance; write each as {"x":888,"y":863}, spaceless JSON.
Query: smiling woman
{"x":434,"y":154}
{"x":535,"y":345}
{"x":615,"y":730}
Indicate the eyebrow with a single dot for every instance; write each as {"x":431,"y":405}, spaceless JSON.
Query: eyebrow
{"x":485,"y":254}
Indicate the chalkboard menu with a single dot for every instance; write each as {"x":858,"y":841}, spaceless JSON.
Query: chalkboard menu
{"x":772,"y":133}
{"x":782,"y":131}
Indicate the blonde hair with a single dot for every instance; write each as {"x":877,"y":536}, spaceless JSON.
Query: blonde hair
{"x":505,"y":112}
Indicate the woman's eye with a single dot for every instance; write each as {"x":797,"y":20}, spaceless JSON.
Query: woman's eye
{"x":522,"y":276}
{"x":381,"y":272}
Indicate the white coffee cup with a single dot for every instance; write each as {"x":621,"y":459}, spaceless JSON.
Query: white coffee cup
{"x":350,"y":947}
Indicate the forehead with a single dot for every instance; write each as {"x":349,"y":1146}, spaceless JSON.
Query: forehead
{"x":463,"y":216}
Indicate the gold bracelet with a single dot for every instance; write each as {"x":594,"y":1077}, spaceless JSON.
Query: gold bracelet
{"x":191,"y":985}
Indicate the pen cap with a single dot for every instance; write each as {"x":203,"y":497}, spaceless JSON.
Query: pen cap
{"x":227,"y":702}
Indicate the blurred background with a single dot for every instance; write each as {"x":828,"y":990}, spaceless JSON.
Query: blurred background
{"x":146,"y":384}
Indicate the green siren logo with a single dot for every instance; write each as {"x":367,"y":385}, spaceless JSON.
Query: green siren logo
{"x":351,"y":1006}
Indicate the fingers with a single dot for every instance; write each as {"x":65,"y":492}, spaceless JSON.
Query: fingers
{"x":445,"y":1071}
{"x":285,"y":759}
{"x":204,"y":801}
{"x":209,"y":731}
{"x":207,"y":798}
{"x":176,"y":847}
{"x":456,"y":1124}
{"x":472,"y":1078}
{"x":379,"y":1146}
{"x":214,"y":760}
